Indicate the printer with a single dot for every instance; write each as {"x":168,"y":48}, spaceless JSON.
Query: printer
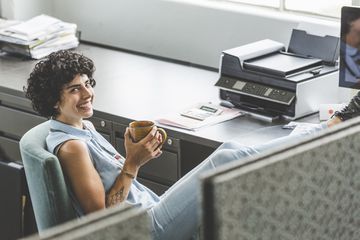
{"x":264,"y":79}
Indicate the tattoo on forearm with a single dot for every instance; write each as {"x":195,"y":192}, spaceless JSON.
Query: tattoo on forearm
{"x":117,"y":197}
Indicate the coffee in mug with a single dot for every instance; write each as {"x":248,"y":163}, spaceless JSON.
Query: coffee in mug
{"x":139,"y":129}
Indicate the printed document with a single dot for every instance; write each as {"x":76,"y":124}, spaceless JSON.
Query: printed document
{"x":200,"y":115}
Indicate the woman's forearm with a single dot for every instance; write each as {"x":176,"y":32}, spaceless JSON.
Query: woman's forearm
{"x":120,"y":190}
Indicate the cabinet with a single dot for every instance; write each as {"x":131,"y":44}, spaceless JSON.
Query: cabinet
{"x":17,"y":117}
{"x":17,"y":218}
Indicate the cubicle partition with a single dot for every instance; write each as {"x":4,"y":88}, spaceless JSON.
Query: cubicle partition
{"x":309,"y":190}
{"x":119,"y":223}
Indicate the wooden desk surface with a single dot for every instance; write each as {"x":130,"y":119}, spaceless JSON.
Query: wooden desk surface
{"x":138,"y":87}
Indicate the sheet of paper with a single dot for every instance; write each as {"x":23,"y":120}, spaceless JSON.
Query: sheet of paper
{"x":34,"y":25}
{"x":189,"y":123}
{"x":4,"y":23}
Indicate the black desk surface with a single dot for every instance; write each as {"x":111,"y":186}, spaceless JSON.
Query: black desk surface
{"x":138,"y":87}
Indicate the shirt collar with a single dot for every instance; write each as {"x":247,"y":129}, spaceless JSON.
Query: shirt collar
{"x":56,"y":125}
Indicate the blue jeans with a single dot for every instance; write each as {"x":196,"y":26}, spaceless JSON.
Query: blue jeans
{"x":177,"y":215}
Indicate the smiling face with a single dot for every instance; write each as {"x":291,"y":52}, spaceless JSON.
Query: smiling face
{"x":353,"y":37}
{"x":76,"y":101}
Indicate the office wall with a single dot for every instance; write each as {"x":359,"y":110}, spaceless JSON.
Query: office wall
{"x":185,"y":30}
{"x":24,"y":9}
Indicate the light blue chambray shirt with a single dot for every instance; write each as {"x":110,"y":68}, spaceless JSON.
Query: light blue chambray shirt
{"x":107,"y":161}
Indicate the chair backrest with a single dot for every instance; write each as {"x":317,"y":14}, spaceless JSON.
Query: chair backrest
{"x":51,"y":202}
{"x":305,"y":191}
{"x":122,"y":222}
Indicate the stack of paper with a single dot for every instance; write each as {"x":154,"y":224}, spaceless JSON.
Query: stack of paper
{"x":4,"y":23}
{"x":38,"y":37}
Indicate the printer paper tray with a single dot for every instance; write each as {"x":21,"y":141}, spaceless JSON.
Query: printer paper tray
{"x":281,"y":64}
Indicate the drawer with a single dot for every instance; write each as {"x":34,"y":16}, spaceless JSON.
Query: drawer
{"x":163,"y":169}
{"x":16,"y":123}
{"x":9,"y":149}
{"x":104,"y":127}
{"x":106,"y":136}
{"x":101,"y":124}
{"x":16,"y":102}
{"x":157,"y":188}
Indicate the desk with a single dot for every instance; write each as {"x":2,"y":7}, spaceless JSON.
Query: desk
{"x":161,"y":87}
{"x":136,"y":87}
{"x":132,"y":87}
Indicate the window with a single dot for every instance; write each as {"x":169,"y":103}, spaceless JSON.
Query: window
{"x":322,"y":7}
{"x":316,"y":7}
{"x":266,"y":3}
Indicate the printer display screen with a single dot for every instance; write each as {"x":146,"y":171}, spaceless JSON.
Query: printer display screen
{"x":239,"y":85}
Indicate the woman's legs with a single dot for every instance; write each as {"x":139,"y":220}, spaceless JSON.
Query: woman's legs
{"x":176,"y":216}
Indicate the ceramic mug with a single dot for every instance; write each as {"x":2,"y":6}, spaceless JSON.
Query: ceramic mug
{"x":139,"y":129}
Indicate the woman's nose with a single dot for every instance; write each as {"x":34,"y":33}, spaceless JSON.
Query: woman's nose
{"x":86,"y":91}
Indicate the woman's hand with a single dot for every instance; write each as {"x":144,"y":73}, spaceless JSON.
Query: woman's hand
{"x":137,"y":154}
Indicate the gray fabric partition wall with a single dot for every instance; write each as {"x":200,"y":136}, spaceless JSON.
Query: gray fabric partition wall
{"x":123,"y":222}
{"x":310,"y":190}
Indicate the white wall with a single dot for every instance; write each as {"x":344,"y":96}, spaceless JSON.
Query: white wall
{"x":190,"y":32}
{"x":24,"y":9}
{"x":184,"y":30}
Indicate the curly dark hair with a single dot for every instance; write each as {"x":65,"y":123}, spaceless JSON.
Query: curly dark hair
{"x":48,"y":77}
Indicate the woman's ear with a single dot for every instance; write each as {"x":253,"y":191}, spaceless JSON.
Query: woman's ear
{"x":56,"y":106}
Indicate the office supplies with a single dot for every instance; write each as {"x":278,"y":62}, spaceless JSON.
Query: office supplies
{"x":38,"y":37}
{"x":200,"y":115}
{"x":202,"y":111}
{"x":4,"y":23}
{"x":263,"y":78}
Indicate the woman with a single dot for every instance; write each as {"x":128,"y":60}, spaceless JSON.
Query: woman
{"x":61,"y":88}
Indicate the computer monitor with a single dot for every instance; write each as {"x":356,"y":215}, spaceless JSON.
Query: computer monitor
{"x":349,"y":75}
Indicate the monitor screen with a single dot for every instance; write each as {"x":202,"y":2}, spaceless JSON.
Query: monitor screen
{"x":349,"y":75}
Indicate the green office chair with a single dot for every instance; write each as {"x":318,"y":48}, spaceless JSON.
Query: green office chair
{"x":51,"y":201}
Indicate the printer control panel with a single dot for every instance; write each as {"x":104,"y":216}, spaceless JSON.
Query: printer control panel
{"x":256,"y":90}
